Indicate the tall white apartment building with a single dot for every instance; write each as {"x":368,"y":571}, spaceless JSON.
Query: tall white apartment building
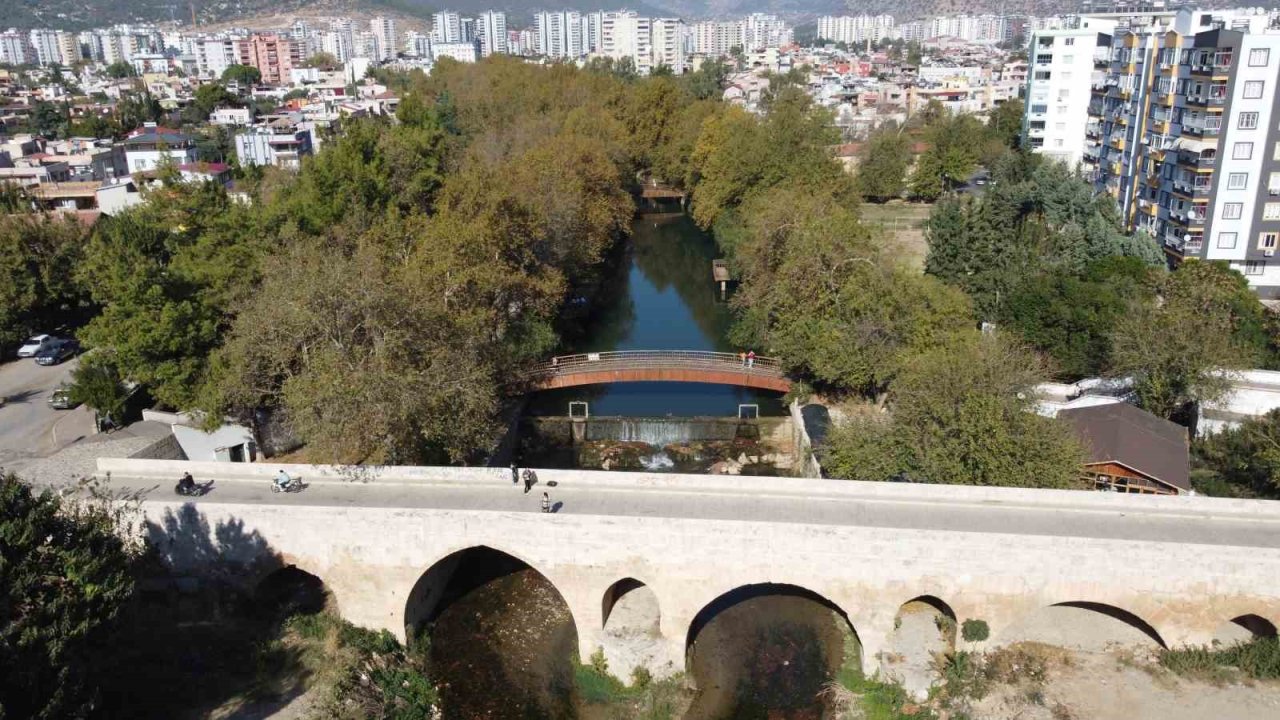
{"x":417,"y":45}
{"x":446,"y":27}
{"x":213,"y":55}
{"x":461,"y":51}
{"x":591,"y":30}
{"x":755,"y":32}
{"x":761,"y":31}
{"x":627,"y":36}
{"x":385,"y":38}
{"x":15,"y":49}
{"x":667,"y":44}
{"x":491,"y":31}
{"x":337,"y":44}
{"x":856,"y":29}
{"x":559,"y":34}
{"x":45,"y":45}
{"x":91,"y":45}
{"x":1059,"y":83}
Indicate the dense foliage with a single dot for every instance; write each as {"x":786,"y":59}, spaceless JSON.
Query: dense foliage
{"x":38,"y":257}
{"x":1243,"y":461}
{"x":64,"y":579}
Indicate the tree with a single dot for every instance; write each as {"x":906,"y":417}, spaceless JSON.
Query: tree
{"x":38,"y":256}
{"x":322,"y":60}
{"x":961,"y":413}
{"x":64,"y":580}
{"x":707,"y":82}
{"x":242,"y":75}
{"x":883,"y":167}
{"x":207,"y":98}
{"x":97,"y":384}
{"x":1005,"y":123}
{"x":120,"y":69}
{"x":1180,"y":350}
{"x":1244,"y":460}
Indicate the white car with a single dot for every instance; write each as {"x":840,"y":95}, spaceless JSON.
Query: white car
{"x":33,"y":345}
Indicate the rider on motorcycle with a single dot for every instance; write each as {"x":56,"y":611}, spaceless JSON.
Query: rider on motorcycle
{"x":187,"y":484}
{"x":283,"y":480}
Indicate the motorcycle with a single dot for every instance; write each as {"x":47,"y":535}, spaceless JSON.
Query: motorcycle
{"x":294,"y":485}
{"x":190,"y":490}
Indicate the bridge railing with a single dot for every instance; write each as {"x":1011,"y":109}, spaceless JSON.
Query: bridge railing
{"x":659,"y":359}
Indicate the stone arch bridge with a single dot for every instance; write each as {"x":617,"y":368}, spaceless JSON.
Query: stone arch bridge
{"x":1177,"y":570}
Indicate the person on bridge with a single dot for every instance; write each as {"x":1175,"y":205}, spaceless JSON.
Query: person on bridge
{"x":186,"y":483}
{"x":529,"y":480}
{"x":742,"y":358}
{"x":546,"y":503}
{"x":515,"y":474}
{"x":282,"y":480}
{"x":751,"y":358}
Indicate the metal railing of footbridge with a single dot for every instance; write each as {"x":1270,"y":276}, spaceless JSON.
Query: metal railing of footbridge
{"x":657,"y":360}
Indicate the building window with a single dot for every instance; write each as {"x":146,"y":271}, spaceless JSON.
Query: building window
{"x":1259,"y":57}
{"x":1247,"y":121}
{"x":1226,"y":240}
{"x":1242,"y":151}
{"x":1045,"y":75}
{"x":1060,"y":127}
{"x":1237,"y":181}
{"x":1042,"y":109}
{"x":1232,"y":211}
{"x":1057,"y":142}
{"x":1072,"y":41}
{"x":1252,"y":89}
{"x":1255,"y":267}
{"x":1271,"y":211}
{"x":1273,"y":184}
{"x":1267,"y":241}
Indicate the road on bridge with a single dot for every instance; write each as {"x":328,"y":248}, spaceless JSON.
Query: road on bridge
{"x":641,"y":494}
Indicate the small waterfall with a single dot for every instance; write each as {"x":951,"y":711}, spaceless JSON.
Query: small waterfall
{"x":650,"y":431}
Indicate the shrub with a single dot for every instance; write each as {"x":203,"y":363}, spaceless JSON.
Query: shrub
{"x":1259,"y":659}
{"x":975,"y":630}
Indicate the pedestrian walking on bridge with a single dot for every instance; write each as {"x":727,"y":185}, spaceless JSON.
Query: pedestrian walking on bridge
{"x":546,"y":503}
{"x":529,"y":480}
{"x":515,"y":474}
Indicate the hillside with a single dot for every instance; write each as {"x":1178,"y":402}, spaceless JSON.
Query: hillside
{"x":81,"y":14}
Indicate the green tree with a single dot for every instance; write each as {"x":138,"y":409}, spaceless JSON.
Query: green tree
{"x":38,"y":256}
{"x":207,"y":98}
{"x":1005,"y":123}
{"x":64,"y":579}
{"x":243,"y":75}
{"x":707,"y":82}
{"x":322,"y":60}
{"x":1244,"y":460}
{"x":1179,"y":351}
{"x":961,"y":413}
{"x":97,"y":384}
{"x":49,"y":120}
{"x":882,"y":169}
{"x":120,"y":70}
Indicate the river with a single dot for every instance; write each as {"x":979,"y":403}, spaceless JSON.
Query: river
{"x":658,"y":295}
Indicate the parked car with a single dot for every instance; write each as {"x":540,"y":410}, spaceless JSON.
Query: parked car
{"x":33,"y":345}
{"x":60,"y":399}
{"x":57,"y":351}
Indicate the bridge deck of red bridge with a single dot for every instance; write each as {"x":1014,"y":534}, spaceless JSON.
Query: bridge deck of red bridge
{"x":660,"y":366}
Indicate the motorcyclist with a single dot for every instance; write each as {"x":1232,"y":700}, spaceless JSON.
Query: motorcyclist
{"x":187,"y":484}
{"x":283,"y":480}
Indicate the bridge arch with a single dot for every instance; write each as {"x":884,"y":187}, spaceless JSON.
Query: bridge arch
{"x":631,"y":630}
{"x":658,"y":366}
{"x":458,"y":573}
{"x":1082,"y":624}
{"x":1244,"y":628}
{"x":923,"y":628}
{"x":290,"y":590}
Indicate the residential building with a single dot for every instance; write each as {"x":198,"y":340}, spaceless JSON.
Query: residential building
{"x":274,"y":56}
{"x":667,"y":43}
{"x":231,"y":116}
{"x":854,"y":30}
{"x":45,"y":45}
{"x":151,"y":147}
{"x":68,"y":47}
{"x":278,"y":147}
{"x":1059,"y":82}
{"x":446,"y":27}
{"x":1185,"y":136}
{"x":384,"y":34}
{"x":559,"y":34}
{"x":461,"y":51}
{"x":491,"y":31}
{"x":15,"y":49}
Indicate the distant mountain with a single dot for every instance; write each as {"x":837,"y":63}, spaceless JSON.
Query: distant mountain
{"x":81,"y":14}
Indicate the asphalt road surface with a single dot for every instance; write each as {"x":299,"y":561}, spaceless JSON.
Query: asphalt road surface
{"x":29,"y":428}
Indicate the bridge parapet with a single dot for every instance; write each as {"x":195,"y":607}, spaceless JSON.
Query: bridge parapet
{"x":660,"y":366}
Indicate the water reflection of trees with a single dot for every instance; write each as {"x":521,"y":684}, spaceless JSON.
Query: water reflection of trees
{"x":673,"y":252}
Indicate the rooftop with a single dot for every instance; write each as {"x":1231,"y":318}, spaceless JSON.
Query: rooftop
{"x":1130,"y":436}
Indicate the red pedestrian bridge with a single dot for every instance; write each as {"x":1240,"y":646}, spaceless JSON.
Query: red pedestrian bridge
{"x":659,"y":366}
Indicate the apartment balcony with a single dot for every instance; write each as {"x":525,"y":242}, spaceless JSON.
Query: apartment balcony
{"x":1092,"y":150}
{"x":1188,"y":216}
{"x":1213,"y":97}
{"x":1093,"y":130}
{"x":1203,"y":128}
{"x":1198,"y":188}
{"x":1101,"y":57}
